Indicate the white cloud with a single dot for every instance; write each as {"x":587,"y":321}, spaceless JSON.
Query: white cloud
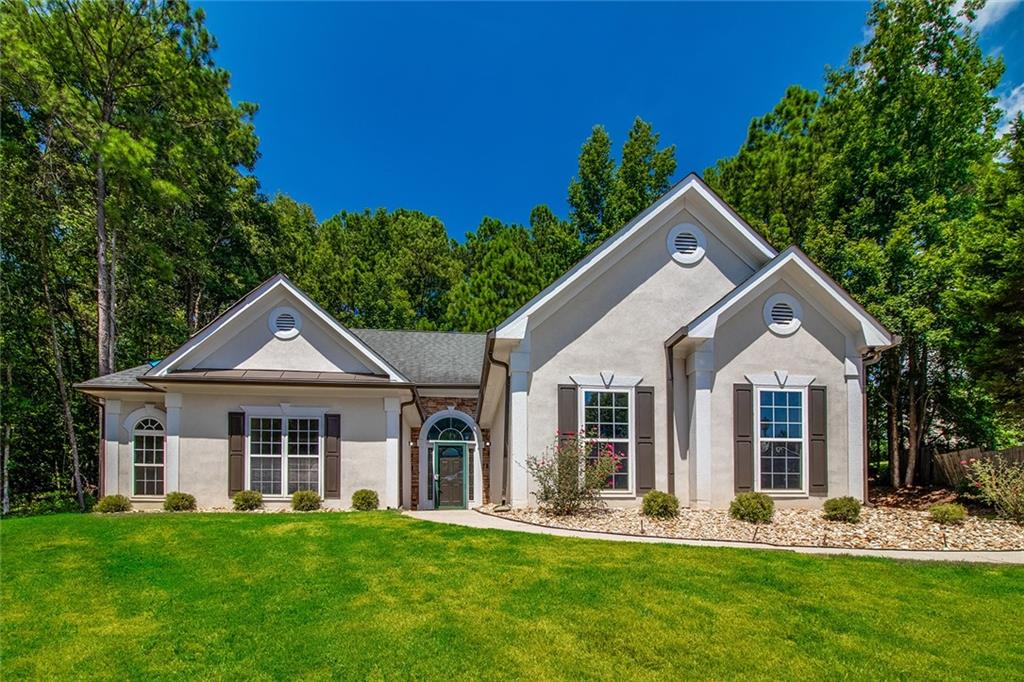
{"x":992,"y":13}
{"x":1012,"y":103}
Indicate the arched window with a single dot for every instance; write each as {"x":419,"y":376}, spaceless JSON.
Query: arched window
{"x":450,"y":428}
{"x":148,"y":459}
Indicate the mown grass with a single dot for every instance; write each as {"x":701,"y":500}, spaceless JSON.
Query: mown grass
{"x":380,"y":596}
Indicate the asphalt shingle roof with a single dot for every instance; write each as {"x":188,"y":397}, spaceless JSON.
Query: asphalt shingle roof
{"x":429,"y":357}
{"x":423,"y":357}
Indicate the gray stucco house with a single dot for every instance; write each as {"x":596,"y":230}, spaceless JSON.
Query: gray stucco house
{"x":712,"y":362}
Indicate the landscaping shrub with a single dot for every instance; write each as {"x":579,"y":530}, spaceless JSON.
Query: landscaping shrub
{"x":248,"y":500}
{"x":51,"y":502}
{"x":948,"y":514}
{"x":660,"y":505}
{"x":365,"y":500}
{"x":752,"y":507}
{"x":178,"y":501}
{"x":113,"y":503}
{"x":845,"y":509}
{"x":305,"y":500}
{"x":571,"y":474}
{"x":1000,"y":483}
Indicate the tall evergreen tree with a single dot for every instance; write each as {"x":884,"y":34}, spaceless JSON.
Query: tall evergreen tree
{"x":590,"y":190}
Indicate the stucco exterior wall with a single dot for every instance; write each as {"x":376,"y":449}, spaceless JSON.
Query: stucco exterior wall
{"x":203,"y":449}
{"x":744,"y":345}
{"x":620,"y":323}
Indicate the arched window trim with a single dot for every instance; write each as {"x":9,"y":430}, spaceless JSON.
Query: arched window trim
{"x":153,"y":473}
{"x":448,"y":428}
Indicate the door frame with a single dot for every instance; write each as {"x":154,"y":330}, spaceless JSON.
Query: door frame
{"x":462,"y":445}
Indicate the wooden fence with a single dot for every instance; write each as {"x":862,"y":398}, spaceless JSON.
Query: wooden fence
{"x":954,"y":472}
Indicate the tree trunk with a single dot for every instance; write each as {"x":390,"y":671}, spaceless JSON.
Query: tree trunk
{"x":5,"y":453}
{"x":103,"y":311}
{"x":112,"y":289}
{"x":894,"y":423}
{"x":65,"y":401}
{"x":917,"y":387}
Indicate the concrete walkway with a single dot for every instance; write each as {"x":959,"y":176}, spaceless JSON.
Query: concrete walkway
{"x":475,"y":519}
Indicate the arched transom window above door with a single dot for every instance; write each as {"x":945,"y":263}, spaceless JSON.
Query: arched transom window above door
{"x":450,"y":429}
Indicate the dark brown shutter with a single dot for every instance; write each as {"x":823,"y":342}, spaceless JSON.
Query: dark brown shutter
{"x":644,"y":439}
{"x":236,"y":452}
{"x":816,"y":430}
{"x":332,"y":456}
{"x":568,"y":412}
{"x":743,"y":437}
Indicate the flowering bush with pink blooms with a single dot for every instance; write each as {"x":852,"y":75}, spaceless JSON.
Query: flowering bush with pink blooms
{"x":571,"y":474}
{"x":1000,"y":482}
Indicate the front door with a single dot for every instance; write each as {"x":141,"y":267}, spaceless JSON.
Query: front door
{"x":451,"y":474}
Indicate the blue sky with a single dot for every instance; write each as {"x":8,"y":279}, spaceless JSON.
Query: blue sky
{"x":465,"y":110}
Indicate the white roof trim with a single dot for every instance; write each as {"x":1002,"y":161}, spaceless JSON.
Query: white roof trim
{"x":875,"y":335}
{"x":174,"y":359}
{"x":514,"y":326}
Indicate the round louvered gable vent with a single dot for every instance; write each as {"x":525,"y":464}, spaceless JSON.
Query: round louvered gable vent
{"x":782,"y":314}
{"x":285,"y":323}
{"x":686,"y":244}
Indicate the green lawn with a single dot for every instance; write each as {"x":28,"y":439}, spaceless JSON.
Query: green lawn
{"x":375,"y":596}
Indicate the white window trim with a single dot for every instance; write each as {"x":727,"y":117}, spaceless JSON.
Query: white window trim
{"x":474,"y":448}
{"x":581,"y":394}
{"x":147,"y":413}
{"x":284,"y":413}
{"x":804,"y":448}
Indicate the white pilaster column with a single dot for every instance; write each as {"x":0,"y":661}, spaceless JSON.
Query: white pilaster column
{"x":172,"y":402}
{"x":111,"y":441}
{"x":519,"y":365}
{"x":856,"y":447}
{"x":391,"y":459}
{"x":700,"y":369}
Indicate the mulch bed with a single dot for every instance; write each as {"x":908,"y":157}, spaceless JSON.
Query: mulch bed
{"x":879,"y":528}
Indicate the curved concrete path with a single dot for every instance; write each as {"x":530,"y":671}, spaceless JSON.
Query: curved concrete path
{"x":475,"y":519}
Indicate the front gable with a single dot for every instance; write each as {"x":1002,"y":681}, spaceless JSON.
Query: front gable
{"x":689,"y":201}
{"x":277,"y":327}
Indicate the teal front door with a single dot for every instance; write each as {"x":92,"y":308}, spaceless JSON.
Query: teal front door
{"x":450,"y":465}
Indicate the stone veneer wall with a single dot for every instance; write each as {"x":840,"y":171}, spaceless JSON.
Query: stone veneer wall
{"x":431,"y":406}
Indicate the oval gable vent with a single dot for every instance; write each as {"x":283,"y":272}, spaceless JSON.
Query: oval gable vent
{"x":782,"y":314}
{"x":686,"y":243}
{"x":284,"y":323}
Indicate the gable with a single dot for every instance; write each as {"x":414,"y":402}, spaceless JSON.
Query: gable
{"x":244,"y":338}
{"x":810,"y":285}
{"x":691,"y":195}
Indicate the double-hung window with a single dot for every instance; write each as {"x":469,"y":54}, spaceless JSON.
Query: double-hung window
{"x":607,"y":423}
{"x":782,"y":449}
{"x":284,"y":454}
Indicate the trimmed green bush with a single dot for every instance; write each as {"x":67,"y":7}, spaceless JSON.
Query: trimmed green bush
{"x":752,"y":507}
{"x":113,"y":503}
{"x":948,"y":514}
{"x":365,"y":500}
{"x":305,"y":500}
{"x":846,"y":509}
{"x":660,"y":505}
{"x":248,"y":500}
{"x":178,"y":501}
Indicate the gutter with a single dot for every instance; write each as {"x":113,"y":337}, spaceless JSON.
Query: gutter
{"x":483,"y":383}
{"x":670,"y":391}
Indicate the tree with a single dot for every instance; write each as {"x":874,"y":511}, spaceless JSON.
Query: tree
{"x":556,"y":246}
{"x":501,"y":275}
{"x":604,"y":197}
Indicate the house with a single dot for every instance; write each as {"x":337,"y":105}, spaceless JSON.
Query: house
{"x":712,"y":362}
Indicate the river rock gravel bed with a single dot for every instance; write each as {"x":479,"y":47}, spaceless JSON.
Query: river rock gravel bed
{"x":879,"y":528}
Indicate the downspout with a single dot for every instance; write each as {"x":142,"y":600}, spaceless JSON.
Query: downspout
{"x":504,"y":449}
{"x":670,"y":392}
{"x":401,"y":445}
